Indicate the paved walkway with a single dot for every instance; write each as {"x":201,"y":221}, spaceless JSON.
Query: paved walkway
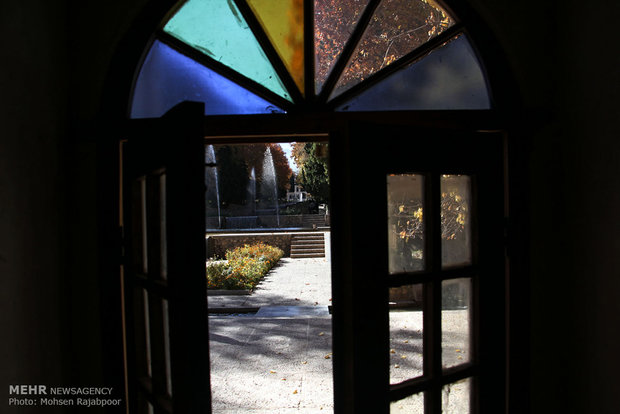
{"x":279,"y":359}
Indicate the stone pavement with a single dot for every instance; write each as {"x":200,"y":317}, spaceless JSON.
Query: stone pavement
{"x":279,"y":359}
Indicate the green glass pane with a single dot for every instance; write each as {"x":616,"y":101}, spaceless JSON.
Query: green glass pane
{"x":333,"y":27}
{"x":217,"y":29}
{"x":397,"y":28}
{"x":283,"y":21}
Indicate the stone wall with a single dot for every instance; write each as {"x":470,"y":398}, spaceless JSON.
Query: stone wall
{"x":218,"y":244}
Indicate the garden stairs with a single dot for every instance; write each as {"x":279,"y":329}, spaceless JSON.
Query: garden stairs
{"x":313,"y":220}
{"x":307,"y":245}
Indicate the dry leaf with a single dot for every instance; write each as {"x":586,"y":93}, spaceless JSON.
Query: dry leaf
{"x":295,"y":392}
{"x":392,"y":351}
{"x":321,"y":333}
{"x":304,"y":362}
{"x":403,"y":356}
{"x":272,"y":372}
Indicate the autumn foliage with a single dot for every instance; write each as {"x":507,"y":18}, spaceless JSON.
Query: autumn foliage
{"x":396,"y":28}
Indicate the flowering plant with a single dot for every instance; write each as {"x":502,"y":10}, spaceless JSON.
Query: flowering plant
{"x":244,"y":267}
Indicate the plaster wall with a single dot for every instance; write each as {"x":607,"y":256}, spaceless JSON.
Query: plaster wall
{"x":55,"y":78}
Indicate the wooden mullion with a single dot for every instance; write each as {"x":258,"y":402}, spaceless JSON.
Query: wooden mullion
{"x":272,"y":54}
{"x":158,"y":287}
{"x":322,"y":122}
{"x":400,"y":279}
{"x":407,"y":59}
{"x":432,"y":316}
{"x":422,"y":384}
{"x":409,"y":387}
{"x":225,"y":71}
{"x":348,"y":50}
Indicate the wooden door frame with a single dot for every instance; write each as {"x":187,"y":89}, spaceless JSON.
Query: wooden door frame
{"x":313,"y":123}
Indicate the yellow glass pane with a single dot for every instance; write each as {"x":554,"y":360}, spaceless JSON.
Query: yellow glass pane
{"x":283,"y":21}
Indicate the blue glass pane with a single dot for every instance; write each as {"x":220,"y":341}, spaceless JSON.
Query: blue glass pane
{"x":168,"y":78}
{"x":217,"y":29}
{"x":449,"y":77}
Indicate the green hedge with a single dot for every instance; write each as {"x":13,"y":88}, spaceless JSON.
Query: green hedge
{"x":244,"y":268}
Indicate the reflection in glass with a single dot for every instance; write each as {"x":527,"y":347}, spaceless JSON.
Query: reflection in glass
{"x":405,"y":223}
{"x":397,"y":28}
{"x":333,"y":27}
{"x":411,"y":405}
{"x":217,"y":29}
{"x":406,"y":327}
{"x":167,"y":78}
{"x":283,"y":21}
{"x":456,"y":327}
{"x":449,"y":77}
{"x":455,"y":220}
{"x":456,"y":397}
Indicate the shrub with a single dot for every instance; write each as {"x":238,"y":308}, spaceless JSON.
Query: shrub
{"x":244,"y":268}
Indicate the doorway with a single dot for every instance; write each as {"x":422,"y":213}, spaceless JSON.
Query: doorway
{"x":269,"y":275}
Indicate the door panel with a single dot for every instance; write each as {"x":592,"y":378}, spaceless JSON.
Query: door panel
{"x":165,"y":286}
{"x":421,"y":266}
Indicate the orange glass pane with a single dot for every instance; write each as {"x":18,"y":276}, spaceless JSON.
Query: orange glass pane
{"x":283,"y":21}
{"x":333,"y":27}
{"x":397,"y":28}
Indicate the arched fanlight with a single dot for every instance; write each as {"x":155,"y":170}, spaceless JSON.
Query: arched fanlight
{"x":251,"y":57}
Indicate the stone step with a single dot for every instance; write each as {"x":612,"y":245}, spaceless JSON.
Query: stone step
{"x":315,"y":250}
{"x":306,"y":255}
{"x":305,"y":242}
{"x":308,"y":246}
{"x":299,"y":239}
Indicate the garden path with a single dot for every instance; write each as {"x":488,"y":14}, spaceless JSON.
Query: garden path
{"x":279,"y":359}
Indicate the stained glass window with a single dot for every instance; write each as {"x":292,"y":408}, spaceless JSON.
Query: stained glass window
{"x":239,"y":57}
{"x":333,"y":26}
{"x":447,"y":78}
{"x":168,"y":78}
{"x":283,"y":21}
{"x":217,"y":29}
{"x":397,"y":28}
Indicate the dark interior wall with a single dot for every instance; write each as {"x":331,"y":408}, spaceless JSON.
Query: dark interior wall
{"x":33,"y":108}
{"x":58,"y":55}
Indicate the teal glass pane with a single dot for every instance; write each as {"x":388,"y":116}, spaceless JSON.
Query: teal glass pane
{"x":217,"y":29}
{"x":449,"y":77}
{"x":167,"y":78}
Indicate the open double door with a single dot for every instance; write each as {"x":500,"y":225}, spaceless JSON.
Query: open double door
{"x":419,"y":211}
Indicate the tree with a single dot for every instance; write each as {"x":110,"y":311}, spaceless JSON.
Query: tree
{"x":232,"y":174}
{"x":313,"y":169}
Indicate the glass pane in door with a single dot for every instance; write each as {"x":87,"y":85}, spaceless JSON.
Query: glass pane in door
{"x":413,"y":404}
{"x":456,"y":397}
{"x":406,"y":330}
{"x":456,"y":246}
{"x":405,"y":222}
{"x":456,"y":324}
